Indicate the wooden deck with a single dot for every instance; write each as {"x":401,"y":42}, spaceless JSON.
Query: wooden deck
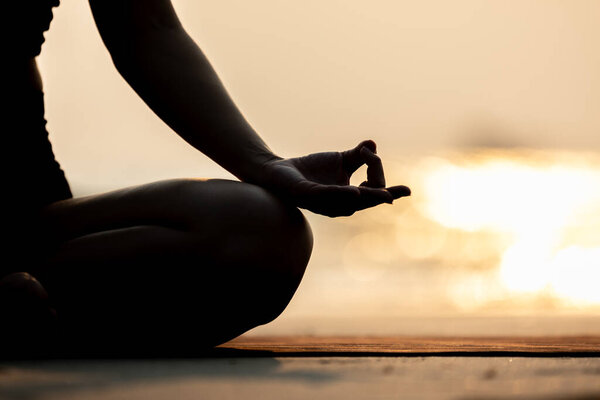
{"x":327,"y":368}
{"x":305,"y":346}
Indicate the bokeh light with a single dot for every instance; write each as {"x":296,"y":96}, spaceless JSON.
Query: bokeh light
{"x":537,"y":199}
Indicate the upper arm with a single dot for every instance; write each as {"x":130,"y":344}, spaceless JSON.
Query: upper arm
{"x":126,"y":24}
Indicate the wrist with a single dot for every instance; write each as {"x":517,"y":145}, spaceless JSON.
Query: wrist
{"x":256,"y":170}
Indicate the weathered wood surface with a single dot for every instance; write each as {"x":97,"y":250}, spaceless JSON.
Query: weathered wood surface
{"x":588,"y":346}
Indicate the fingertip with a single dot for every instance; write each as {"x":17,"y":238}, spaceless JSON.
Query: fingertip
{"x":365,"y":151}
{"x":399,"y":191}
{"x":370,"y":144}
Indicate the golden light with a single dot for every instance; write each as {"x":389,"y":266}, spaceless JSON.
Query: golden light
{"x":576,"y":274}
{"x":369,"y":248}
{"x":537,"y":199}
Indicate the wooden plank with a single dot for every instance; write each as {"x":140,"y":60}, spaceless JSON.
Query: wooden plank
{"x":402,"y":345}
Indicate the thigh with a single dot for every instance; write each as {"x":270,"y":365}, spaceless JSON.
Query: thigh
{"x":212,"y":219}
{"x":202,"y":259}
{"x":185,"y":204}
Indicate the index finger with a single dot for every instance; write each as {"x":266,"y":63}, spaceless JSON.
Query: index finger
{"x":352,"y":159}
{"x":399,"y":191}
{"x":375,"y":175}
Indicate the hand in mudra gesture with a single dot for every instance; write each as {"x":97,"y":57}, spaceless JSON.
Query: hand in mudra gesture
{"x":320,"y":182}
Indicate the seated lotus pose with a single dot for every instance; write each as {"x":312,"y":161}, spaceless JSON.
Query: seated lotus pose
{"x":176,"y":265}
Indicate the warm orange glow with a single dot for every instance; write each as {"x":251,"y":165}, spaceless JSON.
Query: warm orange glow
{"x":537,"y":200}
{"x":367,"y":249}
{"x":576,"y":274}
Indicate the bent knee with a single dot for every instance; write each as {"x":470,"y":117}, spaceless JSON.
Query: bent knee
{"x":273,"y":241}
{"x":288,"y":238}
{"x":288,"y":246}
{"x":274,"y":233}
{"x":248,"y":224}
{"x":264,"y":243}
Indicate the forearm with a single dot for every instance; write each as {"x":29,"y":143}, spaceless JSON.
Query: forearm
{"x":172,"y":75}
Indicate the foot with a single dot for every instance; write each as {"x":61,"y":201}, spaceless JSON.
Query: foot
{"x":26,"y":317}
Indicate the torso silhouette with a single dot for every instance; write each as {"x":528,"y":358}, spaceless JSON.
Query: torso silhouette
{"x":31,"y":177}
{"x":35,"y":178}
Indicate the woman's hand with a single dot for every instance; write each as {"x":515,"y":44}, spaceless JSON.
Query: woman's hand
{"x":320,"y":182}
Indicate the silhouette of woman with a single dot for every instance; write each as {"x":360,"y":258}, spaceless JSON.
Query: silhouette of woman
{"x":177,"y":265}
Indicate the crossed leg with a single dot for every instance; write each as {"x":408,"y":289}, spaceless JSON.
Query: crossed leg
{"x":172,"y":265}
